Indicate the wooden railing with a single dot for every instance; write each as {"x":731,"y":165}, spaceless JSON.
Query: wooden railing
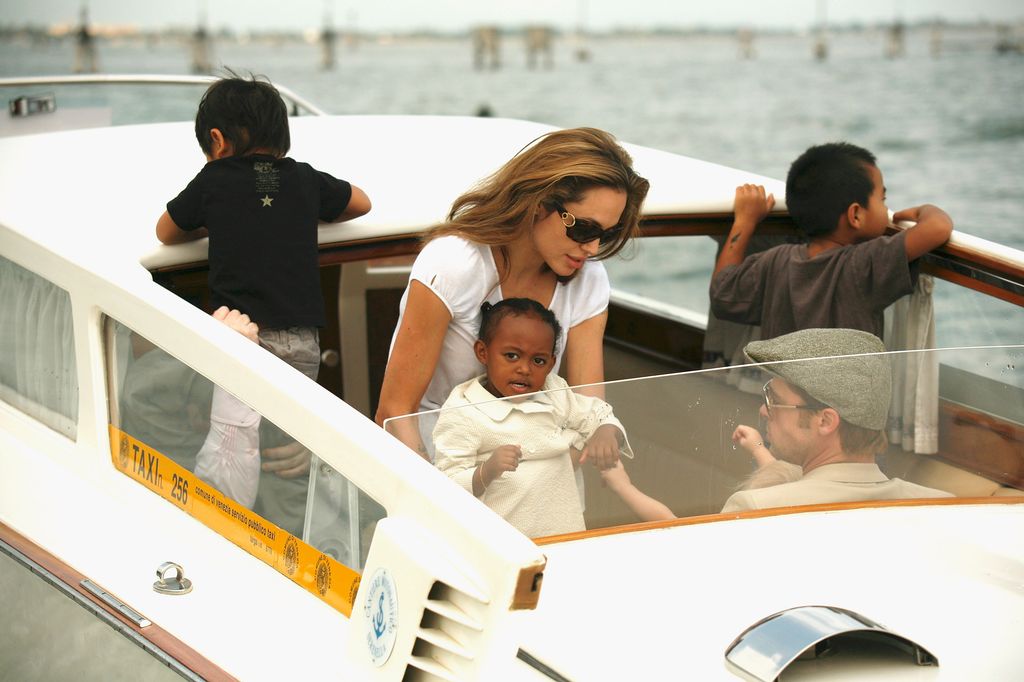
{"x":1000,"y":275}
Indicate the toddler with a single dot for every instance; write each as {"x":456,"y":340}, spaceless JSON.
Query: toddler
{"x":517,"y":454}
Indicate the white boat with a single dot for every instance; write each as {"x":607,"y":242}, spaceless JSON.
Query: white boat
{"x":388,"y":571}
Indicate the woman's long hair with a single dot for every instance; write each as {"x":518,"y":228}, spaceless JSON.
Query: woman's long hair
{"x":555,"y":169}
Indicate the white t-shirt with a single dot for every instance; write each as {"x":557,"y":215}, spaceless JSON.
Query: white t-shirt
{"x":463,"y":275}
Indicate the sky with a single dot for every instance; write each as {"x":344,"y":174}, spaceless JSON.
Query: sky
{"x":457,"y":15}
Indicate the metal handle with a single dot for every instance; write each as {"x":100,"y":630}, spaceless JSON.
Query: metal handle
{"x":178,"y":584}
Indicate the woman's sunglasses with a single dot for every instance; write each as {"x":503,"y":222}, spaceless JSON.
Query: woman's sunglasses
{"x":583,"y":231}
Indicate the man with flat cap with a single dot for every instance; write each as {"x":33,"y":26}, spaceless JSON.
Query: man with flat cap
{"x":828,"y":417}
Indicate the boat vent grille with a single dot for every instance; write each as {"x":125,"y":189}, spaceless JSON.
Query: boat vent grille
{"x":448,"y":636}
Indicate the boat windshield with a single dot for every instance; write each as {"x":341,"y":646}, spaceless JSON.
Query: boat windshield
{"x":740,"y":438}
{"x":48,"y":104}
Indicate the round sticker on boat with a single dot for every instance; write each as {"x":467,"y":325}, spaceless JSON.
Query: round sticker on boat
{"x":381,"y":612}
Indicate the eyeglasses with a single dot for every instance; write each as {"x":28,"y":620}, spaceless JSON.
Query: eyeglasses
{"x":770,"y":404}
{"x":583,"y":231}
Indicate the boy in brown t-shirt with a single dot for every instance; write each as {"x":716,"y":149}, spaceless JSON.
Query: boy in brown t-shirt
{"x":848,"y":272}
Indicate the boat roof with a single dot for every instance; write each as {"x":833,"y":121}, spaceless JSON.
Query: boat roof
{"x":412,"y":167}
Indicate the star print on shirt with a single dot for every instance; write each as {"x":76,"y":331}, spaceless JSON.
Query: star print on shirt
{"x":267,"y":200}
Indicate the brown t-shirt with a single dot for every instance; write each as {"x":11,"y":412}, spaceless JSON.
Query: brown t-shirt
{"x":783,"y":290}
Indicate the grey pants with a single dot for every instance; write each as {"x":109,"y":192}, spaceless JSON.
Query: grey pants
{"x":283,"y":500}
{"x":298,"y":346}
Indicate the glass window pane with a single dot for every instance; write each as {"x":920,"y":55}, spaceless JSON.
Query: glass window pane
{"x":969,"y":318}
{"x":673,"y":270}
{"x":38,"y":374}
{"x":341,"y":518}
{"x":204,"y":450}
{"x":697,"y":439}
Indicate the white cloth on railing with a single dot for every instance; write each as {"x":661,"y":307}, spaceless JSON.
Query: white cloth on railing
{"x":914,"y":411}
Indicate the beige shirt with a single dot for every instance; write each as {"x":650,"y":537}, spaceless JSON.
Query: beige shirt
{"x":539,"y":498}
{"x":842,"y":482}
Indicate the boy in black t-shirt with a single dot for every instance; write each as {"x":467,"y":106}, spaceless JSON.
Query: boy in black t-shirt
{"x":261,"y":211}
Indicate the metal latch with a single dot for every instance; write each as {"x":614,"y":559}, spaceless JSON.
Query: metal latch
{"x":28,"y":106}
{"x":177,"y":584}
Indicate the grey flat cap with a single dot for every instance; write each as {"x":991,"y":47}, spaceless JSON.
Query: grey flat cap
{"x":858,"y":388}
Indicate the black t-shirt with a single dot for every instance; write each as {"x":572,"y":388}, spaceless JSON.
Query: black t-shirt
{"x":262,"y":214}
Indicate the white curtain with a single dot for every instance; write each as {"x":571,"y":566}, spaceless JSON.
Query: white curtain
{"x":914,"y":411}
{"x":37,"y":355}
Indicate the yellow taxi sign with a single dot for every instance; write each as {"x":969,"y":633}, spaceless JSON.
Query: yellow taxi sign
{"x":305,"y":565}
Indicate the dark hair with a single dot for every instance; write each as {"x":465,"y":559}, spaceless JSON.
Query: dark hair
{"x":824,"y":181}
{"x":492,"y":315}
{"x":248,"y":112}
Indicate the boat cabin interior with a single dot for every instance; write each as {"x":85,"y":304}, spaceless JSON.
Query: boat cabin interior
{"x":363,"y":283}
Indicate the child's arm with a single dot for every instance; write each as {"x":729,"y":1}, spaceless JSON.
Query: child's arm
{"x":932,"y":229}
{"x":644,"y":506}
{"x":603,"y":447}
{"x":505,"y":458}
{"x":168,"y":232}
{"x":750,"y":207}
{"x":750,"y":440}
{"x":358,"y":204}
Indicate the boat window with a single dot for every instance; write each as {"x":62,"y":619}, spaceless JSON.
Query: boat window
{"x":670,"y":270}
{"x":964,"y":317}
{"x":48,"y":104}
{"x":207,"y":452}
{"x":38,"y":374}
{"x":698,"y":438}
{"x":676,"y":270}
{"x":73,"y":106}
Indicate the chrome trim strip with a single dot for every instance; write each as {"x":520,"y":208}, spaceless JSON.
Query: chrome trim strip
{"x":767,"y":648}
{"x":975,"y":272}
{"x":115,"y":603}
